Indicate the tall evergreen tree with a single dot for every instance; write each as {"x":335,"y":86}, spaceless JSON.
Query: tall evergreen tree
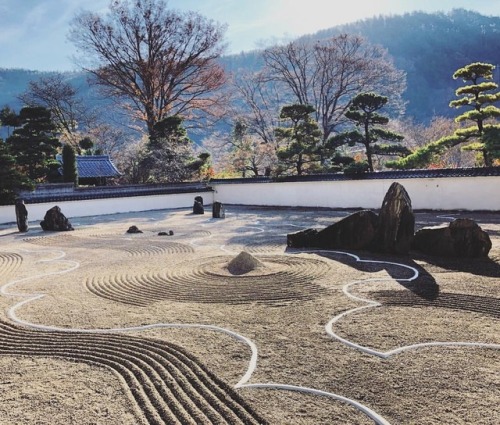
{"x":34,"y":145}
{"x":11,"y":180}
{"x":479,"y":94}
{"x":70,"y":171}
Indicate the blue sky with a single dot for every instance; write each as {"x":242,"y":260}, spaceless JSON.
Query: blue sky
{"x":33,"y":33}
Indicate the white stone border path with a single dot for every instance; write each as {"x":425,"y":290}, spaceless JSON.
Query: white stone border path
{"x":243,"y":383}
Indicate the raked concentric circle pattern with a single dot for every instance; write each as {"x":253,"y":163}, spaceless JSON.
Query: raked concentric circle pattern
{"x":287,"y":278}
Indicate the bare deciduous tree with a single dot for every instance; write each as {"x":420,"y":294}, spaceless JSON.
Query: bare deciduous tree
{"x":158,"y":61}
{"x":259,"y":105}
{"x":329,"y":73}
{"x":55,"y":93}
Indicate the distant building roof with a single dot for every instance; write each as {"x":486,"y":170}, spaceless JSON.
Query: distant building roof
{"x":92,"y":166}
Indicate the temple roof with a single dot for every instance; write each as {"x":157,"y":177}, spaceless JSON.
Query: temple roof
{"x":96,"y":166}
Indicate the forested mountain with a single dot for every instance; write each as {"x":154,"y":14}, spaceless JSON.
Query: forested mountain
{"x":429,"y":47}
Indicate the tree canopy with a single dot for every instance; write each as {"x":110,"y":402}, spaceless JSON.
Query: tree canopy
{"x":158,"y":61}
{"x":363,"y":112}
{"x":169,"y":154}
{"x":34,"y":144}
{"x":327,"y":74}
{"x":479,"y":95}
{"x":11,"y":180}
{"x":299,"y":141}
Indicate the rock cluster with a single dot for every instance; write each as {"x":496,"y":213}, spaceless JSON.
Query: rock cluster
{"x":462,"y":237}
{"x":392,"y":231}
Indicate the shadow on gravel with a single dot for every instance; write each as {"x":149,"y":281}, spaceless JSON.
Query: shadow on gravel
{"x":423,"y":286}
{"x":488,"y":267}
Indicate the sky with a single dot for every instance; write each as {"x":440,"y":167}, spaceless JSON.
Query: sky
{"x":33,"y":33}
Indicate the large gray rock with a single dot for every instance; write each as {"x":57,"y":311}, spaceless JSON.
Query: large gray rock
{"x":396,"y":222}
{"x":55,"y":220}
{"x":243,"y":263}
{"x":302,"y":239}
{"x":356,"y":231}
{"x":462,"y":237}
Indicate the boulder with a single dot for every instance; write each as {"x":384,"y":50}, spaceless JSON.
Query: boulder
{"x":243,"y":263}
{"x":134,"y":229}
{"x":396,"y":222}
{"x":462,"y":237}
{"x":356,"y":231}
{"x":302,"y":239}
{"x":198,"y":208}
{"x":55,"y":220}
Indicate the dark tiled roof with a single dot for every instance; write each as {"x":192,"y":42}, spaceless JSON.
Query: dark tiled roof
{"x":96,"y":166}
{"x":406,"y":174}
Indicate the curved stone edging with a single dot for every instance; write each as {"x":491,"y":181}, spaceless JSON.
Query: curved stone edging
{"x":242,"y":383}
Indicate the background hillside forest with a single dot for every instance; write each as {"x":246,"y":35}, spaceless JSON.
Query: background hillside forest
{"x":353,"y":98}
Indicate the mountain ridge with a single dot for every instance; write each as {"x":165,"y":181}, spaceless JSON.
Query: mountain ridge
{"x":429,"y":47}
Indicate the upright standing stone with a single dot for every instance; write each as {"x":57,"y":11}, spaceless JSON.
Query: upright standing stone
{"x":21,"y":216}
{"x":396,"y":222}
{"x":218,"y":210}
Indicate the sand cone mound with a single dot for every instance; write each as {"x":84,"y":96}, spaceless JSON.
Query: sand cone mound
{"x":243,"y":263}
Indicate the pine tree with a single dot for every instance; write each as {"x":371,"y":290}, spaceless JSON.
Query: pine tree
{"x":364,"y":113}
{"x":11,"y":180}
{"x":34,"y":145}
{"x":300,"y":141}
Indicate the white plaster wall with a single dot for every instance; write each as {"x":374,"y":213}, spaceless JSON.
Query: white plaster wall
{"x":446,"y":193}
{"x":454,"y":193}
{"x":90,"y":207}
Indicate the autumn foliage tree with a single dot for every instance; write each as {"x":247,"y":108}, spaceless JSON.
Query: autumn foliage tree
{"x":156,"y":60}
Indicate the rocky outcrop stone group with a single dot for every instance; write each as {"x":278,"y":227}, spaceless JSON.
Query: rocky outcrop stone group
{"x":392,"y":231}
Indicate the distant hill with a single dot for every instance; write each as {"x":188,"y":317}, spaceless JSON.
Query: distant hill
{"x":429,"y":47}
